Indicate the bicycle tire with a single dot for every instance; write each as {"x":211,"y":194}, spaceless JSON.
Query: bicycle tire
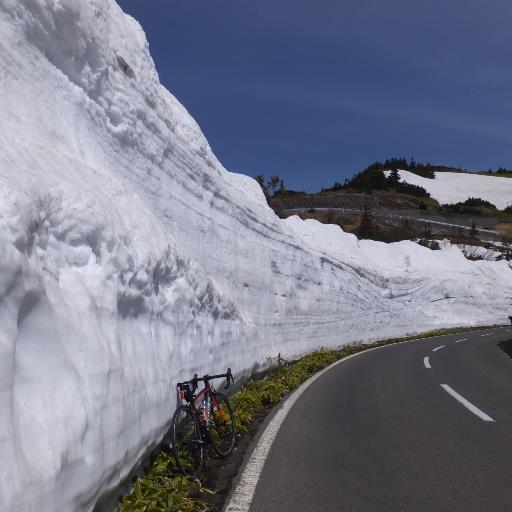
{"x":187,"y":442}
{"x":222,"y":426}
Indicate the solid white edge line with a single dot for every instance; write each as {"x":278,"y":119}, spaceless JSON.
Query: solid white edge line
{"x":426,"y":362}
{"x":241,"y":498}
{"x":438,"y":348}
{"x":468,"y":405}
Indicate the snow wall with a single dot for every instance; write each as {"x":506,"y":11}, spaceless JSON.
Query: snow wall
{"x":131,"y":259}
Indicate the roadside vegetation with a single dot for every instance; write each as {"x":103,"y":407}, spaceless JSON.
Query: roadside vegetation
{"x":472,"y":206}
{"x":500,"y":172}
{"x":369,"y":205}
{"x":162,"y":489}
{"x":366,"y":225}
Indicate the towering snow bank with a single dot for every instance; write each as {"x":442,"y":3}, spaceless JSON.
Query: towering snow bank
{"x":455,"y":187}
{"x":131,"y":258}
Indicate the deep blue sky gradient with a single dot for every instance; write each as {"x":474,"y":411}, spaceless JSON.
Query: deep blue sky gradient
{"x":315,"y":90}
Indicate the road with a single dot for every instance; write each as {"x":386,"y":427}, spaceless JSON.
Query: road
{"x":380,"y":433}
{"x":437,"y":223}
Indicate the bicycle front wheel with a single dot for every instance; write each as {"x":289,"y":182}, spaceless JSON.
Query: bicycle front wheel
{"x":222,"y":425}
{"x":187,"y":442}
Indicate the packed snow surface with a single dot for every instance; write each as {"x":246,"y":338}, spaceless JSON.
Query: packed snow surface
{"x":472,"y":251}
{"x":131,"y":259}
{"x":456,"y":187}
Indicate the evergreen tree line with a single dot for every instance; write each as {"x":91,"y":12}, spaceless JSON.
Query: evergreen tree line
{"x":425,"y":170}
{"x":500,"y":170}
{"x":473,"y":205}
{"x":271,"y":187}
{"x":373,"y":178}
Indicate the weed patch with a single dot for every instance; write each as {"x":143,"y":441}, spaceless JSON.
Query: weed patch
{"x":158,"y":491}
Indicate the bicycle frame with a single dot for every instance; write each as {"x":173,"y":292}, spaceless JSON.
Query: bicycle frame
{"x":207,"y":395}
{"x":209,"y":420}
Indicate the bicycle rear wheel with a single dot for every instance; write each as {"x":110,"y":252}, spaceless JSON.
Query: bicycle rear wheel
{"x":222,"y":425}
{"x":187,"y":442}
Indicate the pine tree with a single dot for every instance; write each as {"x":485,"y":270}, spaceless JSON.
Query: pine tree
{"x":274,"y":182}
{"x":393,"y":178}
{"x":406,"y":224}
{"x":367,"y":228}
{"x":473,"y":233}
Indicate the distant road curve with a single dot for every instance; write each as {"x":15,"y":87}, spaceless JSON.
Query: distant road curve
{"x":424,"y":426}
{"x":396,"y":216}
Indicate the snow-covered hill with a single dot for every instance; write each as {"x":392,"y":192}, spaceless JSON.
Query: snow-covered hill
{"x":131,"y":258}
{"x":454,"y":187}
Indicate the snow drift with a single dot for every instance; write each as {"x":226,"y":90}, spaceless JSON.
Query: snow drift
{"x":131,"y":258}
{"x":455,"y":187}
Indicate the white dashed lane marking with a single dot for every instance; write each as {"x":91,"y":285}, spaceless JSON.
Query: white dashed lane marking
{"x":468,"y":405}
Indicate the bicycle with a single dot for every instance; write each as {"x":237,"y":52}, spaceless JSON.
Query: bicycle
{"x":207,"y":420}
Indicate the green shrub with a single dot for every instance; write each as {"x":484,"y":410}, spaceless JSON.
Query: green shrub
{"x":156,"y":491}
{"x":255,"y":396}
{"x":473,"y":205}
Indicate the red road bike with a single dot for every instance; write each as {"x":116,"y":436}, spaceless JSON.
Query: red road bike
{"x":205,"y":420}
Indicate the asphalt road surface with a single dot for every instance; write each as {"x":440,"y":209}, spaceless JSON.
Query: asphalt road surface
{"x":381,"y":433}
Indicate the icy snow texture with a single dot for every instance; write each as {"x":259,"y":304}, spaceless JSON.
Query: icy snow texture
{"x":131,"y":258}
{"x":455,"y":187}
{"x":472,"y":251}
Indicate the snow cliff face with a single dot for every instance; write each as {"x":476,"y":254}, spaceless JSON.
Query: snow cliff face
{"x":454,"y":187}
{"x":131,"y":258}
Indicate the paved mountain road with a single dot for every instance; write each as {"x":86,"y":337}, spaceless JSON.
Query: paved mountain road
{"x":379,"y":433}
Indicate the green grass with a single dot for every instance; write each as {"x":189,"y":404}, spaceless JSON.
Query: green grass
{"x":496,"y":174}
{"x":162,"y":490}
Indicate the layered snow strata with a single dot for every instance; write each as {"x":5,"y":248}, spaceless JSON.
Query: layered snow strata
{"x":131,"y":259}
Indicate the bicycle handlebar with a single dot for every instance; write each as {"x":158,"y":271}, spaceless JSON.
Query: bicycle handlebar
{"x":205,"y":378}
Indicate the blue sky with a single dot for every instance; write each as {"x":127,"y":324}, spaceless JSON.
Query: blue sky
{"x":315,"y":90}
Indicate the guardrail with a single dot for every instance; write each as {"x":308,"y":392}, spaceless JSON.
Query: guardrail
{"x":436,"y":227}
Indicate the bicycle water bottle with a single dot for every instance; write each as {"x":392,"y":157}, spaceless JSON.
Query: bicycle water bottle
{"x":202,"y":410}
{"x":200,"y":413}
{"x":206,"y":408}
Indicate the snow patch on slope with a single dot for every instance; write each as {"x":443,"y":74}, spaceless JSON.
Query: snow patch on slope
{"x":454,"y":187}
{"x":131,"y":259}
